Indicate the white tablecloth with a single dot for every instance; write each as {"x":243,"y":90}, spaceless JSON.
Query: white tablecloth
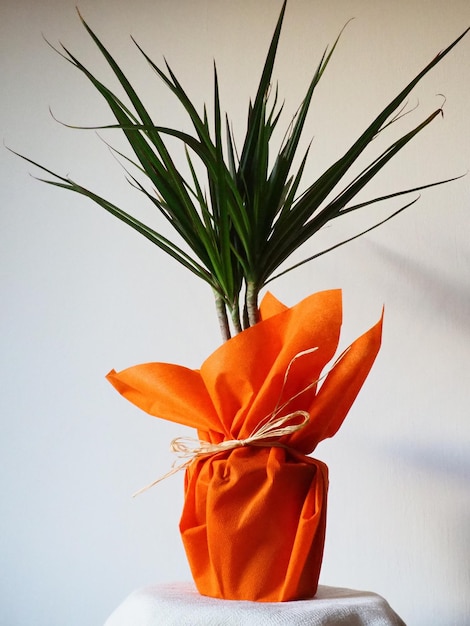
{"x":179,"y":604}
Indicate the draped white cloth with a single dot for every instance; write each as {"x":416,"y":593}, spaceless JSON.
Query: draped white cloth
{"x":179,"y":604}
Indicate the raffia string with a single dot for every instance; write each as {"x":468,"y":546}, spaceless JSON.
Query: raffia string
{"x":274,"y":428}
{"x":271,"y":427}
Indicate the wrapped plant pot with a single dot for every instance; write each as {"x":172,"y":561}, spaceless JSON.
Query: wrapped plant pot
{"x":253,"y":521}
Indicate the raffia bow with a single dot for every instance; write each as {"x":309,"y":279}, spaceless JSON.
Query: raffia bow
{"x":263,"y":435}
{"x":267,"y":433}
{"x":275,"y":427}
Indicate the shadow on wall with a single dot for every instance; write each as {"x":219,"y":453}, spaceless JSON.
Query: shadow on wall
{"x":446,"y":461}
{"x":450,"y":465}
{"x":436,"y":291}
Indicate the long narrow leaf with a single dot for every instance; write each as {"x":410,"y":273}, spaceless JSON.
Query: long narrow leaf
{"x":341,"y":243}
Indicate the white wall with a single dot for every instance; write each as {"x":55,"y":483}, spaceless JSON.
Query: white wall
{"x":80,"y":294}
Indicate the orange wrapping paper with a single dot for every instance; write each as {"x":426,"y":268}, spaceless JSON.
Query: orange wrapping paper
{"x":253,"y":522}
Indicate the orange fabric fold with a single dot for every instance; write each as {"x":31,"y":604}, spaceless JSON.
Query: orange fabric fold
{"x":253,"y":522}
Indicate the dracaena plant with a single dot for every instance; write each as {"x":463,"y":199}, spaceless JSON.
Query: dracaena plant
{"x":244,"y":218}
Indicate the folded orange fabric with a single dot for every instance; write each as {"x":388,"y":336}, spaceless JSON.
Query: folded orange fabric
{"x":254,"y":517}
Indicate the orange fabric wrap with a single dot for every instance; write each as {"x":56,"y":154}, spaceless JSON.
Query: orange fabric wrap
{"x":253,"y":522}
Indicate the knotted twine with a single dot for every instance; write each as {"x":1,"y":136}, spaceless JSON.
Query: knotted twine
{"x":271,"y":427}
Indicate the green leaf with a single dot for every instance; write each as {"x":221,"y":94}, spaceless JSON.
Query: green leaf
{"x":242,"y":218}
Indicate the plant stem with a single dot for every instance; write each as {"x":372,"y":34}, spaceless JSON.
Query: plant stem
{"x":222,"y":316}
{"x":235,"y":314}
{"x":252,"y":303}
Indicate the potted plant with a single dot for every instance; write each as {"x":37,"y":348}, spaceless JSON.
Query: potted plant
{"x":254,"y":518}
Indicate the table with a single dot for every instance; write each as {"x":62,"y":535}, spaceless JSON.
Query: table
{"x":179,"y":604}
